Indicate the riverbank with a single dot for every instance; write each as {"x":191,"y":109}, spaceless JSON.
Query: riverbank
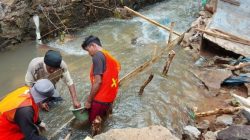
{"x":54,"y":17}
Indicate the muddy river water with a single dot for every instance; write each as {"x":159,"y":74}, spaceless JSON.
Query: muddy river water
{"x":165,"y":100}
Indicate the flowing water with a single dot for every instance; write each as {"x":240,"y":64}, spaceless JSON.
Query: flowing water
{"x":165,"y":100}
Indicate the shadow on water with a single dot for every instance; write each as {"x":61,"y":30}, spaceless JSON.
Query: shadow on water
{"x":132,"y":42}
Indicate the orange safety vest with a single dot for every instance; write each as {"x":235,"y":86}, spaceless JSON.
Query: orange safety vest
{"x":109,"y":87}
{"x":8,"y":106}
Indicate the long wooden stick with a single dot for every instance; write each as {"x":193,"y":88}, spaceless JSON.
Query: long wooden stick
{"x":171,"y":32}
{"x":150,"y":62}
{"x":229,"y":110}
{"x":226,"y":37}
{"x":150,"y":20}
{"x":231,"y":35}
{"x":151,"y":76}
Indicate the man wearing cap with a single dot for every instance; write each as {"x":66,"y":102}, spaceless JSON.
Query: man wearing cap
{"x":104,"y":79}
{"x":19,"y":112}
{"x":51,"y":67}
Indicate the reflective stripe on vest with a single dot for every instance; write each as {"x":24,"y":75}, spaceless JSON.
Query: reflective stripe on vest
{"x":109,"y":86}
{"x":14,"y":100}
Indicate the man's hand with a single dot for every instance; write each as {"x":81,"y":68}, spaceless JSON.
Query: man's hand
{"x":76,"y":104}
{"x":44,"y":106}
{"x":87,"y":104}
{"x":42,"y":126}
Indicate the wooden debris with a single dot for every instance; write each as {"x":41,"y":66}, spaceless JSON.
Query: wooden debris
{"x":239,"y":66}
{"x":150,"y":20}
{"x":150,"y":62}
{"x":171,"y":32}
{"x":168,"y":62}
{"x":219,"y":111}
{"x":234,"y":2}
{"x":151,"y":76}
{"x":226,"y":37}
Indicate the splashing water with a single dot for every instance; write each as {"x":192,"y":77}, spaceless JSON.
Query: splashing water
{"x":38,"y":34}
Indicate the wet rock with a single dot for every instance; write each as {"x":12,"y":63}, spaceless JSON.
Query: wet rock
{"x":224,"y":120}
{"x":203,"y":125}
{"x":191,"y":132}
{"x":236,"y":132}
{"x":210,"y":136}
{"x":146,"y":133}
{"x":246,"y":114}
{"x":240,"y":118}
{"x":213,"y":78}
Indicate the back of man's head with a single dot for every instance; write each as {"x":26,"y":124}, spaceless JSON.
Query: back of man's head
{"x":91,"y":39}
{"x":53,"y":58}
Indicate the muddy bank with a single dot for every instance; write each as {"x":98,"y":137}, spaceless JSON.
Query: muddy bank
{"x":16,"y":16}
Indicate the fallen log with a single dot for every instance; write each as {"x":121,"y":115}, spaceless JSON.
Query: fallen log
{"x":168,"y":62}
{"x":151,"y":76}
{"x":217,"y":111}
{"x":150,"y":20}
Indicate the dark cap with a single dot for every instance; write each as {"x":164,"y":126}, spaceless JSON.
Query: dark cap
{"x":53,"y":58}
{"x":91,"y":39}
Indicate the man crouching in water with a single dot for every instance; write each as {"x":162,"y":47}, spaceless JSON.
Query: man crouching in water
{"x":51,"y":67}
{"x":104,"y":81}
{"x":19,"y":112}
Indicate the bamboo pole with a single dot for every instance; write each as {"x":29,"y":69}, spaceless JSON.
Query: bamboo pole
{"x":226,"y":37}
{"x":171,"y":32}
{"x":217,"y":111}
{"x":231,"y":35}
{"x":151,"y":76}
{"x":150,"y":20}
{"x":168,"y":62}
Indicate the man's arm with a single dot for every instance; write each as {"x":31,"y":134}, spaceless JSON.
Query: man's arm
{"x":29,"y":78}
{"x":24,"y":119}
{"x":72,"y":91}
{"x":68,"y":80}
{"x":99,"y":64}
{"x":94,"y":89}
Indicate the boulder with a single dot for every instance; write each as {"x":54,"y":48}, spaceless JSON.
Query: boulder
{"x":236,"y":132}
{"x":210,"y":136}
{"x":224,"y":120}
{"x":192,"y":132}
{"x":203,"y":125}
{"x":146,"y":133}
